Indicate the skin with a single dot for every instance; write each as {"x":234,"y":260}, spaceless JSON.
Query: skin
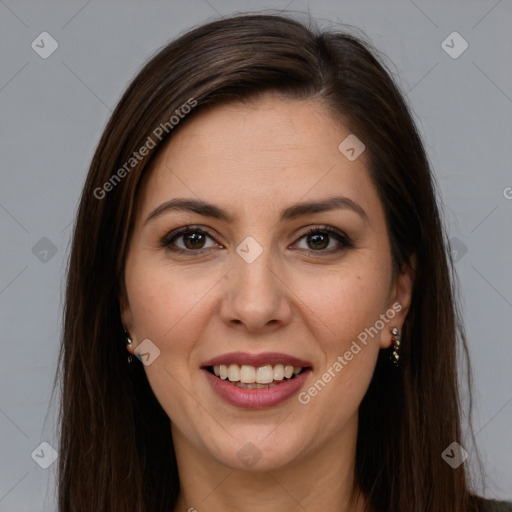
{"x":253,"y":159}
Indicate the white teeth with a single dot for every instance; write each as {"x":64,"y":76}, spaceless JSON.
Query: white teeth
{"x":247,"y":374}
{"x":288,"y":371}
{"x":278,"y":372}
{"x":234,"y":372}
{"x":264,"y":374}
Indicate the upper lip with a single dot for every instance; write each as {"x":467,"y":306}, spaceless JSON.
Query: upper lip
{"x":256,"y":360}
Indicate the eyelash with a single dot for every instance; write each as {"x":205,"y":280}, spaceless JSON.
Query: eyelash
{"x":168,"y":240}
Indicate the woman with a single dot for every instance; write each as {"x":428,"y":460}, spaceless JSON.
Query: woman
{"x":259,"y":228}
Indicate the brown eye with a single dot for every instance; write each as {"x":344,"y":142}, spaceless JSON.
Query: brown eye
{"x":196,"y":240}
{"x":192,"y":239}
{"x":318,"y":239}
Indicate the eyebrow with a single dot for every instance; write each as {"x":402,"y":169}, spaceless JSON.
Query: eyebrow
{"x":291,"y":212}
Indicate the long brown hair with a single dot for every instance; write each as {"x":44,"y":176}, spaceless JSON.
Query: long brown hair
{"x":116,"y":449}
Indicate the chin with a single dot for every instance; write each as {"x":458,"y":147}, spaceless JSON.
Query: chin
{"x":255,"y":453}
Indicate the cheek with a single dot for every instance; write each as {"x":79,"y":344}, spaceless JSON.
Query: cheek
{"x":344,"y":309}
{"x":163,"y":301}
{"x":345,"y":301}
{"x":168,"y":307}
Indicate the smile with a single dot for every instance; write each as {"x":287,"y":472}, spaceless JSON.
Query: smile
{"x":251,"y":377}
{"x":256,"y":381}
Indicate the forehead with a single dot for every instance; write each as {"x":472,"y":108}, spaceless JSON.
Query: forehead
{"x":257,"y":154}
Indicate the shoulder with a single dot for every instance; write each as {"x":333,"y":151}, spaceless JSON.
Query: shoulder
{"x":495,"y":506}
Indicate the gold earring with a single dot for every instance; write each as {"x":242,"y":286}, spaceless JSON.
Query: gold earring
{"x":129,"y":347}
{"x":395,"y":331}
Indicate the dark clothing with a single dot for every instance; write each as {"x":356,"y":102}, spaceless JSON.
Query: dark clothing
{"x":495,"y":506}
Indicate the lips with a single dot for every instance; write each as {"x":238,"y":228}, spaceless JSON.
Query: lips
{"x":256,"y":381}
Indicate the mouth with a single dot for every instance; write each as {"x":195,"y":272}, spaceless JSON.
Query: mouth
{"x":256,"y":377}
{"x":256,"y":381}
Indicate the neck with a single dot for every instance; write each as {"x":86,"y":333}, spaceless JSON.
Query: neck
{"x":319,"y":481}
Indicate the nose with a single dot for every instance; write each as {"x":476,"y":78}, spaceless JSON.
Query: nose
{"x":256,"y":297}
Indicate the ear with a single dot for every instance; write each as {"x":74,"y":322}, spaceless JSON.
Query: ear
{"x":399,"y":300}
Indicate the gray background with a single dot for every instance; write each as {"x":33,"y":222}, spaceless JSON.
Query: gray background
{"x":53,"y":111}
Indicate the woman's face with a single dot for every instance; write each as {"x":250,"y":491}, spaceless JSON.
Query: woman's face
{"x":248,"y":288}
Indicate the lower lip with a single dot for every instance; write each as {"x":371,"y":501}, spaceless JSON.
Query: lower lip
{"x":256,"y":398}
